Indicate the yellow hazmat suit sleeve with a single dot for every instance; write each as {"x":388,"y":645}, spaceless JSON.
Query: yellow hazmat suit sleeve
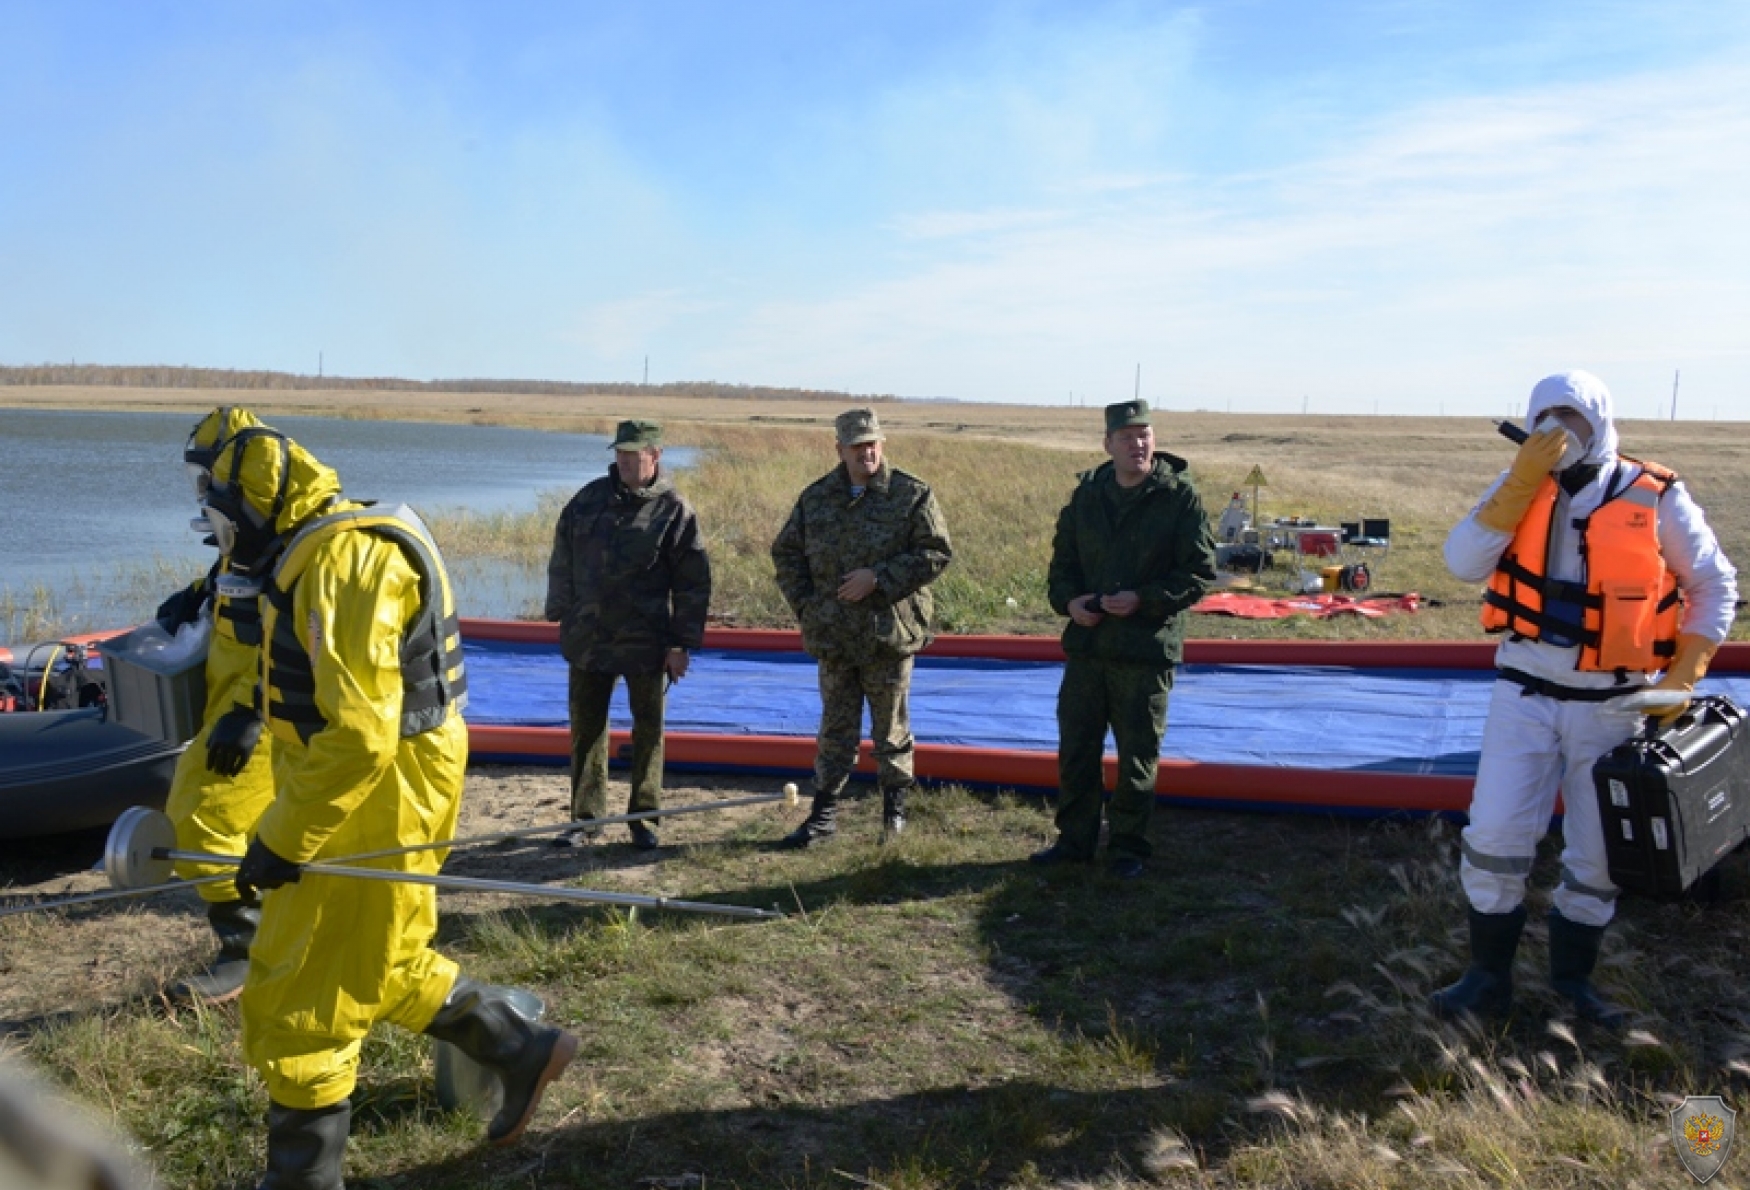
{"x":213,"y":813}
{"x":1531,"y":466}
{"x":334,"y":955}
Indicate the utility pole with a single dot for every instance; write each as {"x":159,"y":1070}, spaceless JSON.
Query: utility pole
{"x":647,"y":369}
{"x":318,"y":365}
{"x":1675,"y":377}
{"x":1137,"y":395}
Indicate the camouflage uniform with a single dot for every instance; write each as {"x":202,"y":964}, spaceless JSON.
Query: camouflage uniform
{"x":628,"y":580}
{"x":1152,"y":539}
{"x":864,"y":649}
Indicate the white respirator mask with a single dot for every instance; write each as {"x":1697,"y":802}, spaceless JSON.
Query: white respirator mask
{"x":1572,"y":452}
{"x":222,"y":528}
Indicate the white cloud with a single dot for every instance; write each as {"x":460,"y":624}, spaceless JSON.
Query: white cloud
{"x":1479,"y":242}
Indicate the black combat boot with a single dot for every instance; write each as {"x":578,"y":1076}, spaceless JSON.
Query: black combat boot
{"x":1573,"y":952}
{"x":893,"y":811}
{"x":306,"y":1148}
{"x":821,"y":823}
{"x":480,"y":1020}
{"x":1487,"y":988}
{"x":235,"y":922}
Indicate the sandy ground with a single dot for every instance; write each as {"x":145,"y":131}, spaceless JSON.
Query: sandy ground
{"x":74,"y":961}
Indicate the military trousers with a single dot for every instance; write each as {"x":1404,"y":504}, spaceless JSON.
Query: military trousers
{"x":885,"y":685}
{"x":1131,"y":701}
{"x":591,"y":694}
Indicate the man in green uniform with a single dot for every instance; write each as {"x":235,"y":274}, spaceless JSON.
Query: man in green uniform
{"x":1131,"y":554}
{"x":855,"y":561}
{"x":629,"y":584}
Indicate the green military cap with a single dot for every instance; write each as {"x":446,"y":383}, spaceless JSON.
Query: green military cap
{"x":637,"y":435}
{"x":856,"y":426}
{"x":1126,"y":413}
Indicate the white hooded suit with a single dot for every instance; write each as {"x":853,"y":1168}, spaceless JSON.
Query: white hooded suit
{"x":1535,"y":745}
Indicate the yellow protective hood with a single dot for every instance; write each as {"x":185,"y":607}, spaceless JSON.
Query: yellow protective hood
{"x":278,"y":479}
{"x":214,"y":430}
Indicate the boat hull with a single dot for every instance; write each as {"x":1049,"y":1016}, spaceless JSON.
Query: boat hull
{"x":76,"y":770}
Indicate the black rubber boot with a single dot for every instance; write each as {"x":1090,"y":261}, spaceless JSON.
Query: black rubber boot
{"x":1487,"y":988}
{"x":235,"y":922}
{"x":1573,"y":952}
{"x":306,"y":1148}
{"x":893,"y":812}
{"x":821,"y":823}
{"x":480,"y":1020}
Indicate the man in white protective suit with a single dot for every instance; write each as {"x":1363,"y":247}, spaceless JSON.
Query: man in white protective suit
{"x":1604,"y":579}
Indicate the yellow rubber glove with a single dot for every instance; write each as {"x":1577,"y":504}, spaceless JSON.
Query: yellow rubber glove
{"x":1531,"y":466}
{"x":1687,"y":668}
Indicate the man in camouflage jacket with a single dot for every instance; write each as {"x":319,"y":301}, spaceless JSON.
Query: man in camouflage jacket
{"x":1132,"y":553}
{"x":855,"y":561}
{"x":629,"y":584}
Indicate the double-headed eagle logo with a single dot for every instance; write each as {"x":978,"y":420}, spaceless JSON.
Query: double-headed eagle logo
{"x":1704,"y":1134}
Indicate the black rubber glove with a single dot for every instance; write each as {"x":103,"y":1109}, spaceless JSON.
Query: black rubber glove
{"x":261,"y":868}
{"x":184,"y":607}
{"x":232,"y":740}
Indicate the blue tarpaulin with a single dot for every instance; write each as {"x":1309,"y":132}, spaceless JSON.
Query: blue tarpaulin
{"x":1418,"y":721}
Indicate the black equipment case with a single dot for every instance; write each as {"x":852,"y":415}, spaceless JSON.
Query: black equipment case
{"x":1676,"y":801}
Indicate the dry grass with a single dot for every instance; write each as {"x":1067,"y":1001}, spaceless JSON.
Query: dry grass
{"x":940,"y":1014}
{"x":1001,"y":485}
{"x":1003,"y":471}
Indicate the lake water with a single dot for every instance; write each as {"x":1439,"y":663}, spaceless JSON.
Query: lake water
{"x":94,"y":507}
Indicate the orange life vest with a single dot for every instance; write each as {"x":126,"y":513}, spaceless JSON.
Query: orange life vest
{"x":1629,"y":599}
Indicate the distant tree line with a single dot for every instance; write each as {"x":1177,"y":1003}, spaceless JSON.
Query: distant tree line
{"x":259,"y":381}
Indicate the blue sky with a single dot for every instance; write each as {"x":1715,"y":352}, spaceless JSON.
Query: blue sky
{"x":1345,"y":207}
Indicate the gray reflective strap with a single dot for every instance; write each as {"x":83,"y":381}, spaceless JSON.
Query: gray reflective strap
{"x":1500,"y":865}
{"x":1585,"y":890}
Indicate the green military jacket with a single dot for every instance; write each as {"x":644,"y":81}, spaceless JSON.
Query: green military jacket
{"x":628,"y":579}
{"x":895,"y":529}
{"x":1156,"y":543}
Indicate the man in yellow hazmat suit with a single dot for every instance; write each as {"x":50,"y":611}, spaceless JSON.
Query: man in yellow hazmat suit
{"x":224,"y":779}
{"x":362,"y":687}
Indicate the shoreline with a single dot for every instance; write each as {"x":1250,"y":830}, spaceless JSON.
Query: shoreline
{"x":1058,"y":426}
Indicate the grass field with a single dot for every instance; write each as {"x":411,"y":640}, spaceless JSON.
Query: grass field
{"x":937,"y":1013}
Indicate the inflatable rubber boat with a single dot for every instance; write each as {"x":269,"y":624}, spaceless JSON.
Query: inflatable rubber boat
{"x":66,"y":761}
